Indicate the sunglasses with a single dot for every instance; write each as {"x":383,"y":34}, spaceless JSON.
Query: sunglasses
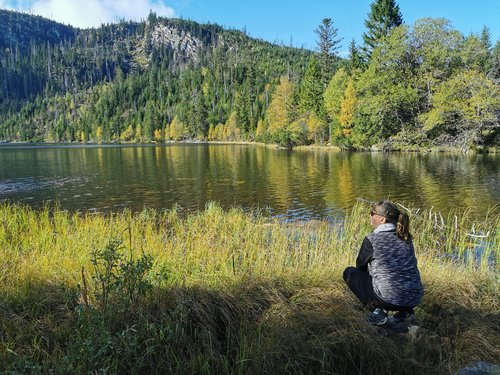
{"x":374,"y":213}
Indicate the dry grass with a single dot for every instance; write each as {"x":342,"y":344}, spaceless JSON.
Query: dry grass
{"x":236,"y":292}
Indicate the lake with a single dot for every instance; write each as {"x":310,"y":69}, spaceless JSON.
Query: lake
{"x":293,"y":185}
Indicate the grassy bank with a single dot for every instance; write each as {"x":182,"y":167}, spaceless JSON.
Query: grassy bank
{"x":409,"y":148}
{"x":231,"y":292}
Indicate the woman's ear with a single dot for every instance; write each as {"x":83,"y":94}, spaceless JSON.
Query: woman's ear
{"x":383,"y":219}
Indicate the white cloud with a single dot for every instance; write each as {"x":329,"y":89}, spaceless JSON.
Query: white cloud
{"x":93,"y":13}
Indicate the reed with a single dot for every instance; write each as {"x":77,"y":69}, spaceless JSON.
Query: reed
{"x":231,"y":292}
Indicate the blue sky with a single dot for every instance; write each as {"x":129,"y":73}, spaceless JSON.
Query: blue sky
{"x":275,"y":21}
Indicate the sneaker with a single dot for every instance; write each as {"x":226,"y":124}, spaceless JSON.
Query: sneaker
{"x":404,"y":316}
{"x":377,"y":317}
{"x":398,"y":326}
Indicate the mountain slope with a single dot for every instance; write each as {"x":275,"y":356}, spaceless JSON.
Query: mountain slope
{"x":128,"y":80}
{"x":19,"y":30}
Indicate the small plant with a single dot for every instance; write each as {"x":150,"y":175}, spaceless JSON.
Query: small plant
{"x":117,"y":279}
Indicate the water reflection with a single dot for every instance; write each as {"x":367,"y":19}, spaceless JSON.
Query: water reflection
{"x":292,"y":185}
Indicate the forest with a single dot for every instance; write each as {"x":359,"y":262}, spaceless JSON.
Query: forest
{"x":160,"y":80}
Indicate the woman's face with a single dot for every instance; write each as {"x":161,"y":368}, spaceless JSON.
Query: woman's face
{"x":376,"y":219}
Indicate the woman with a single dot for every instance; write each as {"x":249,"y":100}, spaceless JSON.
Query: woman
{"x":386,"y":277}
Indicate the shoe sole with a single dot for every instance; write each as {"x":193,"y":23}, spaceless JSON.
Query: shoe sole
{"x":379,"y":323}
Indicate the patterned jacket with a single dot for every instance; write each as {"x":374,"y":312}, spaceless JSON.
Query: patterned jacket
{"x":392,"y":264}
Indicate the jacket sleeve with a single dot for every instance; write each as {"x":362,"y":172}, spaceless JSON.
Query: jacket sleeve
{"x":365,"y":255}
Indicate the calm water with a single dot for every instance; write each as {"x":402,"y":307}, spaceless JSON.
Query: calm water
{"x":292,"y":185}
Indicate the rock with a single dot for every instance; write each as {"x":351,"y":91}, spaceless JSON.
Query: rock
{"x":417,"y":333}
{"x":479,"y":368}
{"x":180,"y":41}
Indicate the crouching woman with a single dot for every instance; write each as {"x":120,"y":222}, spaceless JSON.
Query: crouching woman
{"x":386,"y":277}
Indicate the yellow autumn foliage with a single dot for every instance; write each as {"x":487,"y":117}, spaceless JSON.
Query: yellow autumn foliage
{"x":348,"y":108}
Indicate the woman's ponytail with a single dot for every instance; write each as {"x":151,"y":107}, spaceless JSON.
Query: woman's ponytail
{"x":393,"y":215}
{"x":403,"y":226}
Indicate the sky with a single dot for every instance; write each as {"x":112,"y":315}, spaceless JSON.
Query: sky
{"x":281,"y":21}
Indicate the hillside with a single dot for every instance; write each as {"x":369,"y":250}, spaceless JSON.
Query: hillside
{"x":19,"y":31}
{"x":130,"y":76}
{"x":422,"y":86}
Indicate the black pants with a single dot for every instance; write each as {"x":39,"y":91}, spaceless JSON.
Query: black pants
{"x":360,"y":283}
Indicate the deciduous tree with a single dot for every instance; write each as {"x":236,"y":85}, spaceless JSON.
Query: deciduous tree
{"x":465,"y":107}
{"x":348,"y":109}
{"x":276,"y":114}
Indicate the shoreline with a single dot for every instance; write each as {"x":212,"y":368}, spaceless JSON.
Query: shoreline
{"x":313,"y":147}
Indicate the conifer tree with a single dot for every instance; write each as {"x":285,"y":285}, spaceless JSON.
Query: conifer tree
{"x":149,"y":120}
{"x":292,"y":106}
{"x":242,"y":105}
{"x":328,"y":45}
{"x":486,"y":37}
{"x":200,"y":115}
{"x":384,"y":15}
{"x":494,"y":72}
{"x":311,"y":89}
{"x":355,"y":61}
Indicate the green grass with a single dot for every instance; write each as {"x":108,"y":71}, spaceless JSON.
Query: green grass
{"x":231,"y":292}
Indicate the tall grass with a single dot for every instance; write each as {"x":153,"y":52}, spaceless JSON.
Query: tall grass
{"x":233,"y":292}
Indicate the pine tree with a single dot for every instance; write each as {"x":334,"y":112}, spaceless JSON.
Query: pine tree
{"x":494,"y":72}
{"x":355,"y":61}
{"x":384,"y":15}
{"x":328,"y":45}
{"x":242,"y":105}
{"x":311,"y":89}
{"x":292,"y":106}
{"x":149,"y":121}
{"x":486,"y":37}
{"x":200,"y":115}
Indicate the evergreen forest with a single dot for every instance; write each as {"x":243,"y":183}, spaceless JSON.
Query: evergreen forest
{"x":161,"y":80}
